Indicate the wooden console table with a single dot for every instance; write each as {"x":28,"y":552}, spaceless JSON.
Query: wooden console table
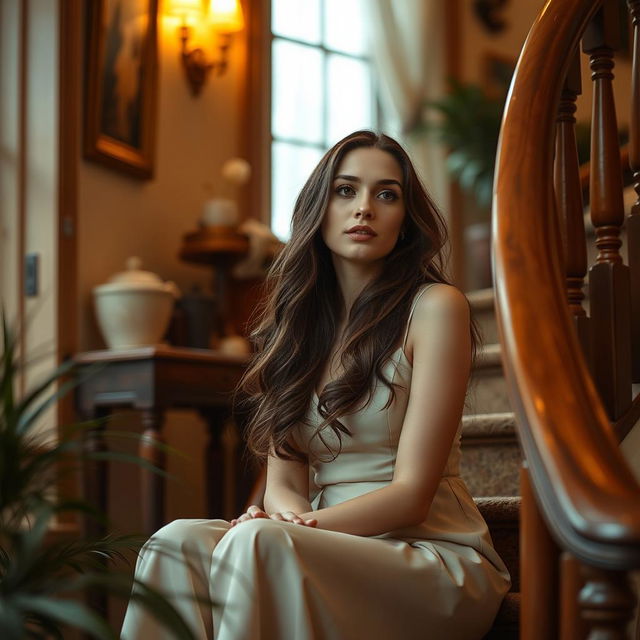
{"x":153,"y":380}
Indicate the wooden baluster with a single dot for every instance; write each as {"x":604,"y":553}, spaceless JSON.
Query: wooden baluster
{"x":569,"y":204}
{"x":539,"y":579}
{"x":609,"y":277}
{"x":633,"y":221}
{"x":607,"y":603}
{"x":572,"y":626}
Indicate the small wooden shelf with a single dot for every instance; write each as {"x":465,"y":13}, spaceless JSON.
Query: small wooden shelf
{"x":215,"y":246}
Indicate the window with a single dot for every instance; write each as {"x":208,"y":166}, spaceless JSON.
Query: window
{"x":321,"y":89}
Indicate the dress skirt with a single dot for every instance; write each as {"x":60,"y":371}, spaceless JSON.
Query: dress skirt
{"x":273,"y":580}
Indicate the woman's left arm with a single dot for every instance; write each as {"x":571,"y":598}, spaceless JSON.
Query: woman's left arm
{"x":441,"y":338}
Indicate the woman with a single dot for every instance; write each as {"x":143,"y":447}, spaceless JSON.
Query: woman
{"x":364,"y":352}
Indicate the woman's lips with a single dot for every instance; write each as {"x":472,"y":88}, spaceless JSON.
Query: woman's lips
{"x":361,"y":233}
{"x":361,"y":236}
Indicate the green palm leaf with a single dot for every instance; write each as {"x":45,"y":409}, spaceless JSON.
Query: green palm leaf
{"x":37,"y":576}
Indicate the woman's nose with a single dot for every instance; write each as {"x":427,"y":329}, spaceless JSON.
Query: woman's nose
{"x":364,"y":213}
{"x":364,"y":209}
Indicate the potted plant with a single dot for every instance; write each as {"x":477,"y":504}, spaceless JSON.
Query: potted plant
{"x":467,"y":122}
{"x":41,"y":580}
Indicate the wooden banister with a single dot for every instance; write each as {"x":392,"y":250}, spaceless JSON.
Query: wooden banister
{"x":588,"y":496}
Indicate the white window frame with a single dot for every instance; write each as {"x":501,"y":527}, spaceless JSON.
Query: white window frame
{"x":325,"y":52}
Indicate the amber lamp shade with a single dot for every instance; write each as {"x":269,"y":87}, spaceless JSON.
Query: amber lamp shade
{"x":226,"y":16}
{"x":192,"y":9}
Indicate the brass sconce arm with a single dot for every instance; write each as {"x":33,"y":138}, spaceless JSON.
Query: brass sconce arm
{"x":195,"y":64}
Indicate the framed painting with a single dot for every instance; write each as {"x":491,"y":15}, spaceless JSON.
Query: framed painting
{"x":120,"y":88}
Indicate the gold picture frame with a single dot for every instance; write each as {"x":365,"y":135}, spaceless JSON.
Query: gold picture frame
{"x":121,"y":85}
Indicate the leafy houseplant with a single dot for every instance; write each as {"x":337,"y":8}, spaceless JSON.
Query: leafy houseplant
{"x":467,"y":122}
{"x":40,"y":578}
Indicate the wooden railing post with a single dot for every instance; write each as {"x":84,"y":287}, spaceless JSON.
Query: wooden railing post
{"x":609,"y":277}
{"x":633,"y":221}
{"x":572,"y":626}
{"x":569,"y":207}
{"x":607,"y":602}
{"x":539,"y":558}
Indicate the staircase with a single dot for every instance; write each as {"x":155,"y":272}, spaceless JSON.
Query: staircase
{"x":491,"y":458}
{"x":571,"y":369}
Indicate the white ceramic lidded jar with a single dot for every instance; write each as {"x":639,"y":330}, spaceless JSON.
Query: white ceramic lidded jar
{"x":134,"y":307}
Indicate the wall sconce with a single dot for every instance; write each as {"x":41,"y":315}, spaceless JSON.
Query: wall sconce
{"x":226,"y":18}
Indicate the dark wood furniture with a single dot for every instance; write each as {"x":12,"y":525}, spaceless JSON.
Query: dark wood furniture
{"x":152,"y":380}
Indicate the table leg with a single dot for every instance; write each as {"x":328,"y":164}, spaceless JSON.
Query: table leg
{"x":214,"y":460}
{"x":152,"y":483}
{"x":247,"y":470}
{"x":96,"y":472}
{"x":96,"y":488}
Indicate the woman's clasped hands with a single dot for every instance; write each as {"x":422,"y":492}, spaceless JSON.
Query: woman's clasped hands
{"x":285,"y":516}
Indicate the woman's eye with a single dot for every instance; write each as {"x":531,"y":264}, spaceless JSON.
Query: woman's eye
{"x":345,"y":190}
{"x":388,"y":195}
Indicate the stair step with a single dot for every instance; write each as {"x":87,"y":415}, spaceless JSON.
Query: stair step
{"x":478,"y":428}
{"x":491,"y":457}
{"x":502,"y":515}
{"x":490,"y":356}
{"x":500,"y":510}
{"x":487,"y":391}
{"x":481,"y":299}
{"x":482,"y":303}
{"x":507,"y":622}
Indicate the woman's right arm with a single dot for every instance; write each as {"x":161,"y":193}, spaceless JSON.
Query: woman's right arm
{"x":287,"y":486}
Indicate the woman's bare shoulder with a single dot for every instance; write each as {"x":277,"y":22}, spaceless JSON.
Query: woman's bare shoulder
{"x":441,"y":298}
{"x":442,"y":308}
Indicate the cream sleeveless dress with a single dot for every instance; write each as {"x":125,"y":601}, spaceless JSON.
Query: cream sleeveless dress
{"x":274,"y":580}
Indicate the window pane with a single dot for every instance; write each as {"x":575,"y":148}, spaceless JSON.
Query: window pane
{"x":350,"y":104}
{"x":299,"y":19}
{"x":296,"y":107}
{"x":344,"y":26}
{"x":291,"y":165}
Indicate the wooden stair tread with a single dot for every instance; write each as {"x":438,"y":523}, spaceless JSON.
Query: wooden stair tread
{"x":489,"y":425}
{"x":481,"y":299}
{"x":489,"y":357}
{"x":499,"y":509}
{"x":505,"y":626}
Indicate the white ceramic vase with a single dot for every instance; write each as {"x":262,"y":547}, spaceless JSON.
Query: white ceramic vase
{"x":134,"y":307}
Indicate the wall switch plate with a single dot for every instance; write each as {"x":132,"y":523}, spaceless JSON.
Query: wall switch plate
{"x":31,"y":274}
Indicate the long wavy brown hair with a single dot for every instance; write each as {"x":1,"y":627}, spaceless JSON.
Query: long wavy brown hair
{"x":296,"y":325}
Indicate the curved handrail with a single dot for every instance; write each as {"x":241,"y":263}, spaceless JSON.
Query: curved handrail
{"x":589,"y":497}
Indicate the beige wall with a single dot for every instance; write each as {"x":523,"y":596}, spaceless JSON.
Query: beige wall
{"x":477,"y":42}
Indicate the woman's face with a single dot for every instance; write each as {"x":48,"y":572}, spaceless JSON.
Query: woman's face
{"x":366,"y":207}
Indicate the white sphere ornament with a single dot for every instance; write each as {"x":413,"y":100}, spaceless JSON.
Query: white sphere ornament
{"x":237,"y":171}
{"x":134,"y":307}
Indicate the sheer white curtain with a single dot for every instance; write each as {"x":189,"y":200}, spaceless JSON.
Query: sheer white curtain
{"x":407,"y":44}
